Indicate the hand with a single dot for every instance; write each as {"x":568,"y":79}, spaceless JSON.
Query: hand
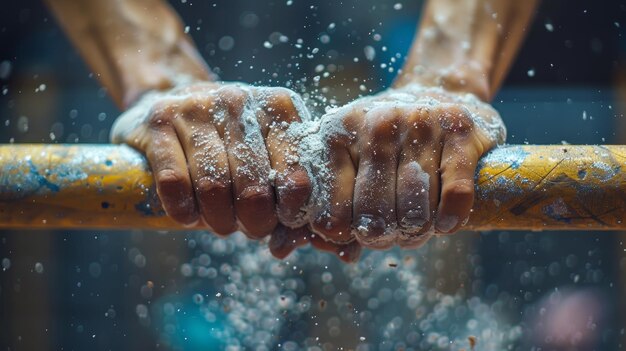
{"x":220,"y":155}
{"x":398,"y":166}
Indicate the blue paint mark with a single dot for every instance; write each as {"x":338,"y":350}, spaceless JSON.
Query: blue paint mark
{"x":558,"y":211}
{"x":18,"y":183}
{"x":151,"y":206}
{"x":510,"y":155}
{"x":68,"y":173}
{"x":43,"y":182}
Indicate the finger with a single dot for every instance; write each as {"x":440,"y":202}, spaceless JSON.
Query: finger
{"x":460,"y":155}
{"x":285,"y":240}
{"x":331,"y":211}
{"x":375,"y":187}
{"x":169,"y":167}
{"x":208,"y":166}
{"x":249,"y":165}
{"x":417,"y":182}
{"x":348,"y":252}
{"x":280,"y":108}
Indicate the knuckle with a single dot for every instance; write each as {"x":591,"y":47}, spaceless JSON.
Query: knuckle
{"x":170,"y":179}
{"x":232,"y":96}
{"x":161,"y":114}
{"x":281,"y":97}
{"x":210,"y":186}
{"x":280,"y":104}
{"x":256,"y":195}
{"x":419,"y":125}
{"x":456,"y":119}
{"x":458,"y":190}
{"x":195,"y":108}
{"x":419,"y":118}
{"x":382,"y":125}
{"x":160,"y":106}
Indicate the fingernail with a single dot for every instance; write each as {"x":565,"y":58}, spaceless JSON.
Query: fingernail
{"x":445,"y":223}
{"x":370,"y":226}
{"x":191,"y":224}
{"x":412,"y":221}
{"x":413,"y":240}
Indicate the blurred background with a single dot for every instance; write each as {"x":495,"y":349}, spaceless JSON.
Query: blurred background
{"x":190,"y":291}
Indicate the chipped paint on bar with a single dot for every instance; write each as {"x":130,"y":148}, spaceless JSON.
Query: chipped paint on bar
{"x":524,"y":187}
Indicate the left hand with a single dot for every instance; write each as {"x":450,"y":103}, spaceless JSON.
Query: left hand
{"x":219,"y":154}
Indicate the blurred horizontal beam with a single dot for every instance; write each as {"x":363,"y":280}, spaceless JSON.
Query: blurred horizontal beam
{"x":525,"y":187}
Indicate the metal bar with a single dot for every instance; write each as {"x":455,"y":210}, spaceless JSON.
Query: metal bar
{"x":526,"y":187}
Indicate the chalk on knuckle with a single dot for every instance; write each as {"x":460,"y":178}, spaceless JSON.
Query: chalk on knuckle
{"x":232,"y":97}
{"x":256,"y":195}
{"x":211,"y":186}
{"x":382,"y":127}
{"x":161,"y":117}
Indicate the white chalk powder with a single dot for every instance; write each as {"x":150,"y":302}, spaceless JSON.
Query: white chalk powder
{"x":311,"y":136}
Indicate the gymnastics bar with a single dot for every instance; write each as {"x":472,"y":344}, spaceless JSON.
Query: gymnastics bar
{"x":518,"y":187}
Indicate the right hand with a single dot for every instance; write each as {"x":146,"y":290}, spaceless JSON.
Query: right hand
{"x":220,"y":155}
{"x":399,"y":166}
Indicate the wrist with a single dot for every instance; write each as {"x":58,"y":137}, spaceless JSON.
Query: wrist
{"x":148,"y":52}
{"x":441,"y":59}
{"x":175,"y":66}
{"x":137,"y":111}
{"x":454,"y":49}
{"x":464,"y":77}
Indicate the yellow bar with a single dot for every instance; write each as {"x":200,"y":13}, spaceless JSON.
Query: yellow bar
{"x":526,"y":187}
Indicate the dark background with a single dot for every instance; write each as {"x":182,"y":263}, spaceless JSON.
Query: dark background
{"x":87,"y":293}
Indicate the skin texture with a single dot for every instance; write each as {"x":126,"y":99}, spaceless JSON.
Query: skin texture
{"x":221,"y":155}
{"x":131,"y":46}
{"x":466,"y":46}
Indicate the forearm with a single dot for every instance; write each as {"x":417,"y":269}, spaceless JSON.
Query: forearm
{"x":131,"y":46}
{"x":467,"y":45}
